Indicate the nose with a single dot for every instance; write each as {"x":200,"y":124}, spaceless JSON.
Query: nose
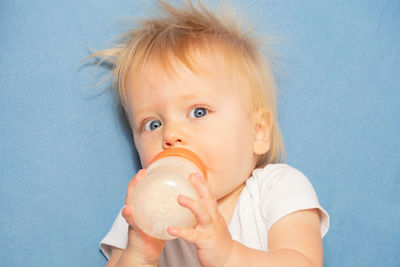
{"x":173,"y":136}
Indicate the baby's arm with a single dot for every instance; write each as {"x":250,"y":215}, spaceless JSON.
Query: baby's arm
{"x":116,"y":254}
{"x":127,"y":257}
{"x":142,"y":250}
{"x":294,"y":240}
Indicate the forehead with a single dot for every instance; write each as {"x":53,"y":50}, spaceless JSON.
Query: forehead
{"x":203,"y":71}
{"x":192,"y":61}
{"x":189,"y":76}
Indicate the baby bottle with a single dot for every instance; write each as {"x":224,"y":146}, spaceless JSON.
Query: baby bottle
{"x":154,"y":199}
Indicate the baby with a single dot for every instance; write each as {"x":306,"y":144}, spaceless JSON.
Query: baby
{"x":190,"y":78}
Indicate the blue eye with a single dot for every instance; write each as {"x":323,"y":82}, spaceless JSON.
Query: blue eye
{"x":152,"y":125}
{"x":198,"y":112}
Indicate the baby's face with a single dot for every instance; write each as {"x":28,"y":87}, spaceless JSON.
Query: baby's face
{"x":203,"y":112}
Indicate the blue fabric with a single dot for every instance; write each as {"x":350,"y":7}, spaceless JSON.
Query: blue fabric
{"x":66,"y":157}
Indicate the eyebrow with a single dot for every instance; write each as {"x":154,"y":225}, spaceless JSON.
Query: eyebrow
{"x":210,"y":99}
{"x":142,"y":110}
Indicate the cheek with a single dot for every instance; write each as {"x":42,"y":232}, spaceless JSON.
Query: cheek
{"x":145,"y":155}
{"x":229,"y":133}
{"x":237,"y":144}
{"x":228,"y":144}
{"x":144,"y":159}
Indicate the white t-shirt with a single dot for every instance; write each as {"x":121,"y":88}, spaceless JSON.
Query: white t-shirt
{"x":270,"y":194}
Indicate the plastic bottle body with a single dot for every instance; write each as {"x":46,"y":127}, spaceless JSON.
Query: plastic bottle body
{"x":155,"y":198}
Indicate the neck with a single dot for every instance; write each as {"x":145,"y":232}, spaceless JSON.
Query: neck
{"x":227,"y":204}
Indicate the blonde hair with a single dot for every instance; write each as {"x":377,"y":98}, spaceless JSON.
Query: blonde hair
{"x":176,"y":32}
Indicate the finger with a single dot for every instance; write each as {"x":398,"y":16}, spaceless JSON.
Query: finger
{"x":127,"y":214}
{"x":132,"y":183}
{"x":127,"y":211}
{"x":187,"y":234}
{"x":202,"y":215}
{"x":201,"y":186}
{"x":204,"y":192}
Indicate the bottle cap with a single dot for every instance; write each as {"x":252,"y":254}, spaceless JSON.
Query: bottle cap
{"x":183,"y":153}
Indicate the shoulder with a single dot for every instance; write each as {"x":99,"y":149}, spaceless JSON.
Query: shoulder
{"x":280,"y":189}
{"x":276,"y":171}
{"x":277,"y":177}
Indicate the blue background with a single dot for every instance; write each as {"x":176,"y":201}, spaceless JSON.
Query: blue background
{"x":66,"y":155}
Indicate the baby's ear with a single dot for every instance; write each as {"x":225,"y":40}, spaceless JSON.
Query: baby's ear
{"x":262,"y":122}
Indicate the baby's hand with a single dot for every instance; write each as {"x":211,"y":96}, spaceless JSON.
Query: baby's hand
{"x":142,"y":246}
{"x":211,"y":235}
